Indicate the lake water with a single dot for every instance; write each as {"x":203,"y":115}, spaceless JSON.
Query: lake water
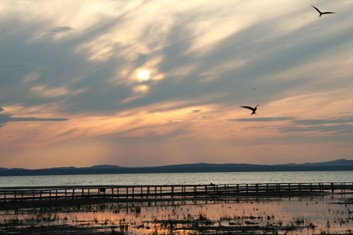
{"x":179,"y":178}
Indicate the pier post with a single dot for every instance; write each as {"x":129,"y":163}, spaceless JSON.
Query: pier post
{"x":164,"y":191}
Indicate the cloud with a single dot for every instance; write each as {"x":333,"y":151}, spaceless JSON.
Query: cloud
{"x":196,"y":111}
{"x":334,"y":121}
{"x":60,"y":29}
{"x":335,"y":126}
{"x":5,"y":118}
{"x":43,"y":91}
{"x":267,"y":119}
{"x":232,"y":59}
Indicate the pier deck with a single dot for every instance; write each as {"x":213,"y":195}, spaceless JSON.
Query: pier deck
{"x":146,"y":192}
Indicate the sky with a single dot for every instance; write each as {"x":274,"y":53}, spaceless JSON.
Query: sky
{"x":148,"y":83}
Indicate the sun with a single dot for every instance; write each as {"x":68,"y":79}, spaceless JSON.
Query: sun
{"x":143,"y":75}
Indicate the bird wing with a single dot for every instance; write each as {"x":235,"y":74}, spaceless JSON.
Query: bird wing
{"x":328,"y":12}
{"x":316,"y":9}
{"x":248,"y":107}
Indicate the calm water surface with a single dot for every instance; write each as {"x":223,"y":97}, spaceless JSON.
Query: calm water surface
{"x":179,"y":178}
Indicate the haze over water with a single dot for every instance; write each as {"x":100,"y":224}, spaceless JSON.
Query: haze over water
{"x":179,"y":178}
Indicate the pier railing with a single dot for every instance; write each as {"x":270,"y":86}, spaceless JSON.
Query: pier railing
{"x":144,"y":192}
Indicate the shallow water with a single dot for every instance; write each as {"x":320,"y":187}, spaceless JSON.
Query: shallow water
{"x":179,"y":178}
{"x":290,"y":215}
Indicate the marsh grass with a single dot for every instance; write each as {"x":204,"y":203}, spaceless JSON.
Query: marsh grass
{"x":259,"y":215}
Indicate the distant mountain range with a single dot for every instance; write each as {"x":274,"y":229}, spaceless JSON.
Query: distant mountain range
{"x":337,"y":165}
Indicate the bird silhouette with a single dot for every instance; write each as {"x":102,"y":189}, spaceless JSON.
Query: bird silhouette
{"x":322,"y":12}
{"x":251,"y":108}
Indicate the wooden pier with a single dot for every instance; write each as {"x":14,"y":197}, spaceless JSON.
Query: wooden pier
{"x":161,"y":192}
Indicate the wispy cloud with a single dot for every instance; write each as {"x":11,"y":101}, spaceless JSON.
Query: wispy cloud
{"x":60,"y":29}
{"x":5,"y":118}
{"x":334,"y":126}
{"x":265,"y":119}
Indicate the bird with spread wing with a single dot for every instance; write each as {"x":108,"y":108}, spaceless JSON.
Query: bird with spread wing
{"x":251,"y":108}
{"x":322,"y":12}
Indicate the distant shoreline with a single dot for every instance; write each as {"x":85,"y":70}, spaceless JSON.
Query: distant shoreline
{"x":194,"y":168}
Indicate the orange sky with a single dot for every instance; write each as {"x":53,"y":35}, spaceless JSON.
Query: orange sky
{"x":145,"y":83}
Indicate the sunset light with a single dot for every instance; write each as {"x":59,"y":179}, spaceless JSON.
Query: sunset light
{"x":141,"y":83}
{"x":143,"y":75}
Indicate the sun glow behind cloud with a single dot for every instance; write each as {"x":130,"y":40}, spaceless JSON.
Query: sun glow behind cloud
{"x":143,"y":75}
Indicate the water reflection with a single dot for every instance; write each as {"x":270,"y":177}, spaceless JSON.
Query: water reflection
{"x":295,"y":215}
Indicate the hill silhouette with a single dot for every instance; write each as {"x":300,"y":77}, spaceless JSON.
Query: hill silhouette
{"x":336,"y":165}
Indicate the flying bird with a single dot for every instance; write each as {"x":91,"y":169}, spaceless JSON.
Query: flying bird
{"x":322,"y":12}
{"x":251,"y":108}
